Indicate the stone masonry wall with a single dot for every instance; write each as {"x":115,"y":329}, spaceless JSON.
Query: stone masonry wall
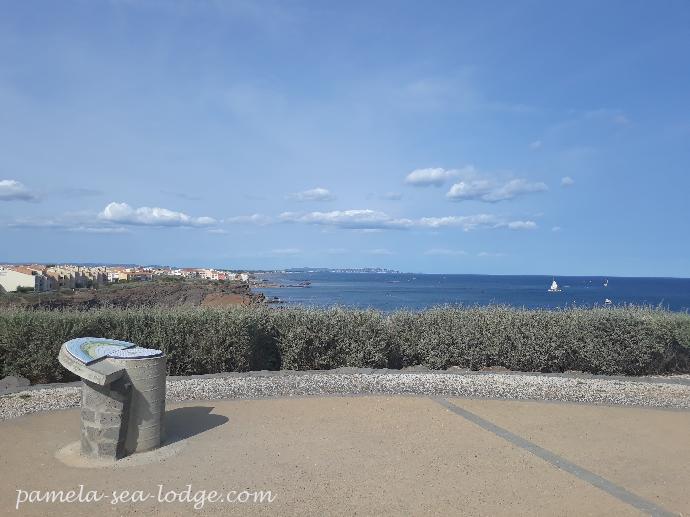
{"x":104,"y":413}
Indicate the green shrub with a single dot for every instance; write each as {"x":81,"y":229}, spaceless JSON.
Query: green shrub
{"x":311,"y":339}
{"x":622,"y":340}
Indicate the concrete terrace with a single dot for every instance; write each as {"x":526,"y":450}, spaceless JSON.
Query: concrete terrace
{"x":373,"y":455}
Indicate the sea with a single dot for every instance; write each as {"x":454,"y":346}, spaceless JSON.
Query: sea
{"x":414,"y":291}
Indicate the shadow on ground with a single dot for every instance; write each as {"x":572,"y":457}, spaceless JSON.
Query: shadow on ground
{"x":185,"y":422}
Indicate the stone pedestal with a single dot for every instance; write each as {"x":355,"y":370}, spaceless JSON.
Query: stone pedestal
{"x":104,"y":418}
{"x":123,"y":395}
{"x":143,"y":421}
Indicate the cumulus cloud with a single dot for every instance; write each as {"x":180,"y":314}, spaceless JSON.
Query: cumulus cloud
{"x":492,"y":191}
{"x":315,"y":194}
{"x":472,"y":185}
{"x":567,"y":181}
{"x":122,"y":213}
{"x":13,"y":190}
{"x":259,"y":219}
{"x":435,"y":177}
{"x":375,"y":220}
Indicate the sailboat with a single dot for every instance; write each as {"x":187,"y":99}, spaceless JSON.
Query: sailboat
{"x":606,"y":282}
{"x":554,"y":287}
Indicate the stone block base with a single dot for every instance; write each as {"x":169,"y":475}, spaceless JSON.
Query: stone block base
{"x":104,"y":413}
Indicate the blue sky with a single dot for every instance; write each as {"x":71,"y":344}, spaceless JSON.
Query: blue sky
{"x":519,"y":137}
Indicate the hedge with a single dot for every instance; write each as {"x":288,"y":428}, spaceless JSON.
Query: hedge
{"x":619,"y":340}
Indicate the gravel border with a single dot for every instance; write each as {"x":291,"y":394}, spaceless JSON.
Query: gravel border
{"x":655,"y":392}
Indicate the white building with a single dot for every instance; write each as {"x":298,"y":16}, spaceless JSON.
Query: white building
{"x":11,"y":280}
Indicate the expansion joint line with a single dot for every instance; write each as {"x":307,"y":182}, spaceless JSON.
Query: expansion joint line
{"x":585,"y":475}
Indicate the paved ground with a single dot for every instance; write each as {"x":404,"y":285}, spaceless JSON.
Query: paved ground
{"x":373,"y":456}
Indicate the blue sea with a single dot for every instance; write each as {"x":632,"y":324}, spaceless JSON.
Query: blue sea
{"x":391,"y":291}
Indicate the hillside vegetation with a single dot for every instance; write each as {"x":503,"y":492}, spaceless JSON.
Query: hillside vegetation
{"x":167,"y":292}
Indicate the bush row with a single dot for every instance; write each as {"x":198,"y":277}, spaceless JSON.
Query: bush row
{"x":624,"y":340}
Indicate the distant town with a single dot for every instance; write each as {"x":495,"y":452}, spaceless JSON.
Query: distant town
{"x":336,"y":270}
{"x":51,"y":277}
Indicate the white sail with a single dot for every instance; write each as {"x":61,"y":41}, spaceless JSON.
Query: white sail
{"x":554,"y":286}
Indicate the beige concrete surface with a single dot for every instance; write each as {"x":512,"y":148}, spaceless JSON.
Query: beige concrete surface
{"x":332,"y":456}
{"x":645,"y":450}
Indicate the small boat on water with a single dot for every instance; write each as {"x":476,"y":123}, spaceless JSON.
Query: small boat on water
{"x":554,"y":287}
{"x":606,"y":282}
{"x":608,"y":302}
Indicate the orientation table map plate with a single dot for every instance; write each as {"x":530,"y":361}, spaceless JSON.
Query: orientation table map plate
{"x":91,"y":349}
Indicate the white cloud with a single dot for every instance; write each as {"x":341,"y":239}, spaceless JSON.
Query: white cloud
{"x":315,"y":194}
{"x":473,"y":185}
{"x":490,"y":254}
{"x":567,"y":181}
{"x":466,"y":222}
{"x":536,"y":145}
{"x":38,"y":223}
{"x":98,"y":229}
{"x":368,"y":220}
{"x":472,"y":222}
{"x":556,"y":229}
{"x":353,"y":219}
{"x":66,"y":225}
{"x":122,"y":213}
{"x":217,"y":231}
{"x":259,"y":219}
{"x":521,"y":225}
{"x":492,"y":191}
{"x":13,"y":190}
{"x":435,"y":176}
{"x":445,"y":252}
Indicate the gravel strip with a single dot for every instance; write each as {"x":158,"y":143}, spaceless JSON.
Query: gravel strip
{"x":489,"y":385}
